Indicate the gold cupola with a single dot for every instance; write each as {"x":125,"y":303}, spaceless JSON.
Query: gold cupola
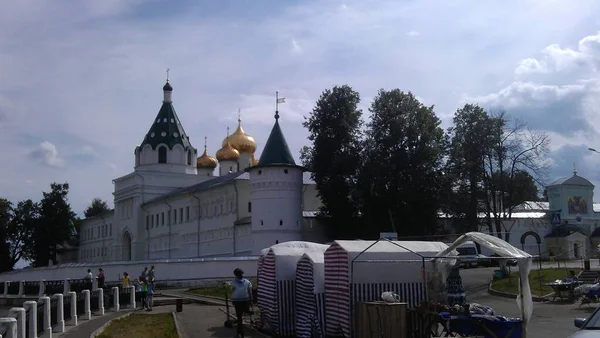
{"x":241,"y":141}
{"x":227,"y":153}
{"x":206,"y":161}
{"x":253,"y":160}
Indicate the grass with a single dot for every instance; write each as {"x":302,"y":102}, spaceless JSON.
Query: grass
{"x":216,"y":291}
{"x":142,"y":326}
{"x":511,"y":284}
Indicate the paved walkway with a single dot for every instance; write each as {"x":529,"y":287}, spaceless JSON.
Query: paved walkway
{"x":206,"y":321}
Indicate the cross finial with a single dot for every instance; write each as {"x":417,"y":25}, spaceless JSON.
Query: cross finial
{"x":168,"y":74}
{"x":227,"y":131}
{"x":239,"y":115}
{"x":574,"y":169}
{"x":205,"y":142}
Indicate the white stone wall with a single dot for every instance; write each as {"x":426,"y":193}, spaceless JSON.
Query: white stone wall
{"x":96,"y":238}
{"x":276,"y":206}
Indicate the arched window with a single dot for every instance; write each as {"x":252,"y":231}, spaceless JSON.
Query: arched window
{"x":189,"y":157}
{"x":162,"y":154}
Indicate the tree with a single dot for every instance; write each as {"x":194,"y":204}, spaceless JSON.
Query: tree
{"x":517,"y":158}
{"x":97,"y":207}
{"x":402,"y":176}
{"x":20,"y":225}
{"x":56,"y":224}
{"x":334,"y":159}
{"x":470,"y":142}
{"x":5,"y":211}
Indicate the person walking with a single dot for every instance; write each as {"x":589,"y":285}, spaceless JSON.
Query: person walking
{"x":241,"y":297}
{"x":149,"y":295}
{"x":144,"y":274}
{"x":125,"y":279}
{"x":151,"y":273}
{"x":144,"y":294}
{"x":100,"y":278}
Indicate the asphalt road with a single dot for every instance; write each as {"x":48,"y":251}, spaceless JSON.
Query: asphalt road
{"x":550,"y":320}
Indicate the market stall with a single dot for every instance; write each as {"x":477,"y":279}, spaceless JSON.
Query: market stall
{"x":276,"y":288}
{"x":486,"y":323}
{"x":310,"y":295}
{"x":360,"y":271}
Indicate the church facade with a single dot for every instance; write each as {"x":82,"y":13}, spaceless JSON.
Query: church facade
{"x":173,"y":206}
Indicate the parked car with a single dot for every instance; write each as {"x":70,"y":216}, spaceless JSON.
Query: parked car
{"x":467,"y":255}
{"x":496,"y":262}
{"x":588,"y":327}
{"x":483,"y":260}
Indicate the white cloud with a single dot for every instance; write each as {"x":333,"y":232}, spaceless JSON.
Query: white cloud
{"x":90,"y":76}
{"x":530,"y":65}
{"x":412,"y":34}
{"x":47,"y":154}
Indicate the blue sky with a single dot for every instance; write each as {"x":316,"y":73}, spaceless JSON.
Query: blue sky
{"x":80,"y":82}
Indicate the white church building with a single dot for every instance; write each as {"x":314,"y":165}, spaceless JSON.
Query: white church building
{"x":173,"y":206}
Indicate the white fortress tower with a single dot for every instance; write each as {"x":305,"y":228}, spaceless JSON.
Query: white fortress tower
{"x":276,"y":194}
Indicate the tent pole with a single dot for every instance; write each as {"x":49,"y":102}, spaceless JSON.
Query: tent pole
{"x":523,"y":327}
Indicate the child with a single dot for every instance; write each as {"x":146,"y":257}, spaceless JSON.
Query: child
{"x":144,"y":290}
{"x":149,"y":294}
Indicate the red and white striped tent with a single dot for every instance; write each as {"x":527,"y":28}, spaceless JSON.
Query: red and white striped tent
{"x":353,"y":275}
{"x":276,"y":290}
{"x":310,"y":295}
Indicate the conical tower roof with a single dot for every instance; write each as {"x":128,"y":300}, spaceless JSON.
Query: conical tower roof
{"x":166,"y":128}
{"x":276,"y":151}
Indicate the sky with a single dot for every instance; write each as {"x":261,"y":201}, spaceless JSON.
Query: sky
{"x":81,"y":81}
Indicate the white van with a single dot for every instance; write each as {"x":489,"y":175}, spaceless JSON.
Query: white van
{"x":468,"y":254}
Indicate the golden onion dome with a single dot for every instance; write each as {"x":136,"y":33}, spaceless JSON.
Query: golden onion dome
{"x":206,"y":161}
{"x":253,"y":160}
{"x":241,"y":141}
{"x":227,"y":153}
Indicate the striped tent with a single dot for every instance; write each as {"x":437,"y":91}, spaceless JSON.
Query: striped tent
{"x":309,"y":246}
{"x":310,"y":295}
{"x":385,"y":266}
{"x":277,"y":287}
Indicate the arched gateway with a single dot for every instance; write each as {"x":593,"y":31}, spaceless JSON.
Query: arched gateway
{"x":126,"y":254}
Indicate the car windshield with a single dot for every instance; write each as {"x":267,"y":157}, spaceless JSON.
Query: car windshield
{"x":593,"y":322}
{"x":466,"y":251}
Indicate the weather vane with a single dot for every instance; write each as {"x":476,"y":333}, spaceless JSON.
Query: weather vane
{"x":278,"y":100}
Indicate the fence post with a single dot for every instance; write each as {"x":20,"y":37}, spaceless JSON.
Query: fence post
{"x":6,"y":284}
{"x":21,"y":291}
{"x":11,"y":327}
{"x":42,"y":288}
{"x":115,"y":292}
{"x":67,"y":286}
{"x":47,"y":326}
{"x":132,"y":296}
{"x":101,"y":302}
{"x":19,"y":314}
{"x":87,"y":313}
{"x":31,"y":305}
{"x":60,"y":313}
{"x":73,"y":296}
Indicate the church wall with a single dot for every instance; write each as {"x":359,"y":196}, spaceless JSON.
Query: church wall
{"x":310,"y":198}
{"x":519,"y":226}
{"x":96,"y":237}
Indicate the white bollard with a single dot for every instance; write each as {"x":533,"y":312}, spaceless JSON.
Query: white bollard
{"x":87,"y":313}
{"x":19,"y":314}
{"x":21,"y":284}
{"x":47,"y":325}
{"x":32,"y":323}
{"x":101,"y":302}
{"x":42,"y":288}
{"x":95,"y":284}
{"x":73,"y":295}
{"x":115,"y":291}
{"x":60,"y":313}
{"x":132,"y":296}
{"x":11,"y":327}
{"x":67,"y":286}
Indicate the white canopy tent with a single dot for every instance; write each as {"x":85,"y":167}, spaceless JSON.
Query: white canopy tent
{"x":503,"y":249}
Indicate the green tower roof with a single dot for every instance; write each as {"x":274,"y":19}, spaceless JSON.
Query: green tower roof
{"x":276,"y":151}
{"x":166,"y":128}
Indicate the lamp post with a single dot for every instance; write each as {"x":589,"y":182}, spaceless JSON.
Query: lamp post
{"x":598,"y":152}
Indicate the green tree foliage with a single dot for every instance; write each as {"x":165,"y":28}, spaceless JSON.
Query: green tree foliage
{"x":334,"y":158}
{"x":5,"y":207}
{"x":20,"y":223}
{"x":402,"y":175}
{"x":56,"y":224}
{"x":470,"y":143}
{"x":97,"y":207}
